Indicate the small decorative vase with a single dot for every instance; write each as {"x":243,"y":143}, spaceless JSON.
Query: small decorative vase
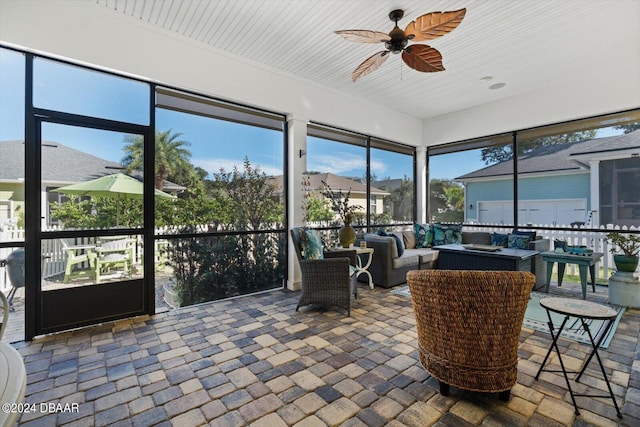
{"x":347,"y":235}
{"x":626,"y":263}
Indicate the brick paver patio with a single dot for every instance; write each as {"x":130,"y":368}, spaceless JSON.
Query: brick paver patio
{"x":256,"y":361}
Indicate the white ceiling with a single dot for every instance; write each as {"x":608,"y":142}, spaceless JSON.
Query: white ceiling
{"x":529,"y":45}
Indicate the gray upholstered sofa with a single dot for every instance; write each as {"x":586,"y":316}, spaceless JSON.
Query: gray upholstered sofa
{"x":389,"y":269}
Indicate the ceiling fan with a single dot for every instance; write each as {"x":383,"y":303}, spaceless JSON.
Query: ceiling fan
{"x":420,"y":57}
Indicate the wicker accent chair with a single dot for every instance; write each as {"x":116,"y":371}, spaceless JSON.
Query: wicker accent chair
{"x":328,"y":281}
{"x":469,"y":326}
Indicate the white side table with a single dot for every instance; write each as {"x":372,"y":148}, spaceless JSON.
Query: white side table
{"x":360,"y":267}
{"x":364,"y":269}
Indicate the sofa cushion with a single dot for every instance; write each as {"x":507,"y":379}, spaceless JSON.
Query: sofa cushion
{"x":424,"y":235}
{"x":446,"y":234}
{"x":398,"y":239}
{"x":425,"y":255}
{"x":369,"y":237}
{"x":409,"y":238}
{"x":405,"y":261}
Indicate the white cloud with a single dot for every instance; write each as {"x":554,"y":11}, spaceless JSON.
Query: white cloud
{"x":213,"y":165}
{"x":343,"y":163}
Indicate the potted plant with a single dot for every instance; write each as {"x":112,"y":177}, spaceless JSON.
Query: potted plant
{"x":629,"y":245}
{"x":340,"y":205}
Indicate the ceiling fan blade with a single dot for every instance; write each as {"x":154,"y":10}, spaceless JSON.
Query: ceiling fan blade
{"x":423,"y":58}
{"x":364,"y":36}
{"x":369,"y":65}
{"x":432,"y":25}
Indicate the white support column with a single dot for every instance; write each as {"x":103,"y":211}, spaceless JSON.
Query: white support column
{"x":297,"y":164}
{"x":421,"y":185}
{"x":595,"y":192}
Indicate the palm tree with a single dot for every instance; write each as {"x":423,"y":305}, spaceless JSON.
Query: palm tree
{"x":171,"y":156}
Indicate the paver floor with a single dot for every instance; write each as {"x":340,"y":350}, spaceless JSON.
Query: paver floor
{"x":255,"y":361}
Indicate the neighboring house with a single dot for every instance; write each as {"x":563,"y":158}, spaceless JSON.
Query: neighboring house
{"x":61,"y":165}
{"x":595,"y":181}
{"x":340,"y":183}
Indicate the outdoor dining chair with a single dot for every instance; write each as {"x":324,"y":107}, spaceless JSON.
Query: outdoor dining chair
{"x":77,"y":256}
{"x":113,"y":254}
{"x":328,"y":280}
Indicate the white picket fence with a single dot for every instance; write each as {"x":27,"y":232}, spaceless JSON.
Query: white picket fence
{"x":54,"y":256}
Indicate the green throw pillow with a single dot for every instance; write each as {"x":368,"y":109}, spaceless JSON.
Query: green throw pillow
{"x":518,"y":241}
{"x":447,"y":234}
{"x":311,"y":245}
{"x":424,"y":235}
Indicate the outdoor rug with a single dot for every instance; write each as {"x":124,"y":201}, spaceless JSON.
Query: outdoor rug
{"x":536,"y":318}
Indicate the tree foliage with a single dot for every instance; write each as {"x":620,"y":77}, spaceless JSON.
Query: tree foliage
{"x":446,"y":201}
{"x":628,"y":128}
{"x":213,"y":267}
{"x":171,"y":162}
{"x":399,"y":202}
{"x":501,"y":153}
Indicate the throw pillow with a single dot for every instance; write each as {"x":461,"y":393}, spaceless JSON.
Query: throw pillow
{"x":424,"y":235}
{"x":518,"y":241}
{"x":498,"y":239}
{"x":409,"y":238}
{"x":531,"y":234}
{"x":311,"y":245}
{"x":399,"y":243}
{"x":447,"y":234}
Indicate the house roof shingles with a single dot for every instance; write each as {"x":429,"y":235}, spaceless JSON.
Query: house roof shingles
{"x":60,"y":164}
{"x":561,"y":157}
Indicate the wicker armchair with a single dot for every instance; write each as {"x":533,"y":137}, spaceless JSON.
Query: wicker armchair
{"x":469,"y":326}
{"x":328,"y":281}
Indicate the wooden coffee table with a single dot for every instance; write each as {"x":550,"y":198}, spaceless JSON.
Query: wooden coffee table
{"x":465,"y":257}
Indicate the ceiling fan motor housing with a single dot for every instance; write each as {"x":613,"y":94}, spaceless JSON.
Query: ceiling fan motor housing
{"x":398,"y":40}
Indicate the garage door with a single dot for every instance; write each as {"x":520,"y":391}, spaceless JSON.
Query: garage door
{"x":536,"y":212}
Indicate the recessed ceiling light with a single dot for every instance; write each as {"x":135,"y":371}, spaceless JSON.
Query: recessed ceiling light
{"x":486,"y":78}
{"x":497,"y":85}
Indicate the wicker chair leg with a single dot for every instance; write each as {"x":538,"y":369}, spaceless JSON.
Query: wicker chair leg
{"x":444,"y":388}
{"x":505,"y":395}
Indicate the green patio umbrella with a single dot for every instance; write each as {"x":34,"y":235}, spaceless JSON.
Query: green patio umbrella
{"x":117,"y":186}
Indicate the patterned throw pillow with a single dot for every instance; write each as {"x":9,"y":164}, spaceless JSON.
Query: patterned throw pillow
{"x":498,"y":239}
{"x":447,"y":234}
{"x":424,"y":235}
{"x":311,"y":245}
{"x":531,"y":234}
{"x":518,"y":241}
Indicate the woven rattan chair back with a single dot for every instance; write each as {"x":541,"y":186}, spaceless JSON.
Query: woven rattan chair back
{"x":469,"y":325}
